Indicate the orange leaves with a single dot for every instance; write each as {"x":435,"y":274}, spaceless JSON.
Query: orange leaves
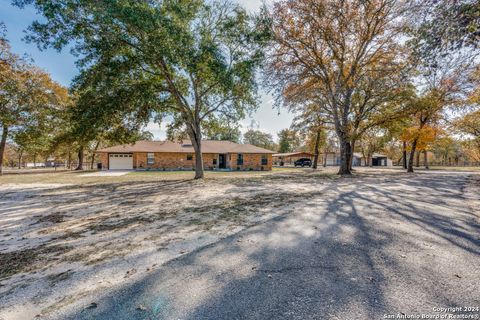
{"x":424,"y":136}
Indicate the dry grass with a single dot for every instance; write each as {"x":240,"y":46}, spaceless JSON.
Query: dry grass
{"x":53,"y":223}
{"x":76,"y":177}
{"x":28,"y":259}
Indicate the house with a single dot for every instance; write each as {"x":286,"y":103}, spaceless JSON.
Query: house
{"x":169,"y":155}
{"x":281,"y":159}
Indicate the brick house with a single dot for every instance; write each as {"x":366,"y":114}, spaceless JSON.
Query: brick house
{"x":168,"y":155}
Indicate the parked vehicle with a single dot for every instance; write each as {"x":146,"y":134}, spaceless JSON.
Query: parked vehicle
{"x":303,"y":162}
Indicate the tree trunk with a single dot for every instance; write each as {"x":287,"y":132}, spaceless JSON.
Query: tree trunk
{"x":345,"y":156}
{"x":196,"y":138}
{"x":93,"y":155}
{"x":325,"y":154}
{"x":3,"y":142}
{"x":20,"y":160}
{"x":317,"y":145}
{"x":404,"y":155}
{"x":350,"y":163}
{"x":69,"y":161}
{"x":80,"y":159}
{"x":425,"y":159}
{"x":412,"y":156}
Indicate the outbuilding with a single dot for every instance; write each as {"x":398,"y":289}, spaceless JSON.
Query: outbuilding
{"x":288,"y":159}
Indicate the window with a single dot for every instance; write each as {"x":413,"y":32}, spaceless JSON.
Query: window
{"x":264,"y":160}
{"x":150,"y":158}
{"x":189,"y":157}
{"x":240,"y":159}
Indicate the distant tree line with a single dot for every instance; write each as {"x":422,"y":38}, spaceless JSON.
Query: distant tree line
{"x":399,"y":77}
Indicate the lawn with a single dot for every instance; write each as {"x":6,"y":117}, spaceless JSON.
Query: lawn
{"x":78,"y":178}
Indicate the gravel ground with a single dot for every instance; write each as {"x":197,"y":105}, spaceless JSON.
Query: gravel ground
{"x":369,"y":247}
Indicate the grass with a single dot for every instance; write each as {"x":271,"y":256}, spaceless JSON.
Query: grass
{"x":476,"y":169}
{"x":27,"y":259}
{"x":77,"y":178}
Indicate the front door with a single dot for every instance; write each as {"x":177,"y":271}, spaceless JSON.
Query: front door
{"x":222,"y":161}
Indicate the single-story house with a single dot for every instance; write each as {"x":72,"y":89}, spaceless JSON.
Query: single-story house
{"x":290,"y":158}
{"x":169,"y":155}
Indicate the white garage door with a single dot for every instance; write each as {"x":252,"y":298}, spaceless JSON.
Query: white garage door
{"x":120,"y":161}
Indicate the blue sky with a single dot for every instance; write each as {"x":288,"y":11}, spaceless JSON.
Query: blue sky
{"x":61,"y":65}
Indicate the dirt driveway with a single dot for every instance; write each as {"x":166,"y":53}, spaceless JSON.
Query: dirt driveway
{"x":65,"y":248}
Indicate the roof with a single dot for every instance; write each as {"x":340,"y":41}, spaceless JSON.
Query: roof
{"x":378,"y":155}
{"x":208,"y":146}
{"x":292,"y":154}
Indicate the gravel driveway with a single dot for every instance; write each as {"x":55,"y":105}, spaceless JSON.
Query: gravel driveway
{"x":374,"y":247}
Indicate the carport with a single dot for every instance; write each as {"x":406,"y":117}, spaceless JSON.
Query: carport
{"x":282,"y":159}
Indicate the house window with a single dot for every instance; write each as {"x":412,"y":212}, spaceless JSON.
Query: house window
{"x":189,"y":157}
{"x":150,"y":158}
{"x":264,"y":160}
{"x":240,"y":159}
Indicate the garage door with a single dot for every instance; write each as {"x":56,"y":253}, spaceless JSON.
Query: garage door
{"x":120,"y":162}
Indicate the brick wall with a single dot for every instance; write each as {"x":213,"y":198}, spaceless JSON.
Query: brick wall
{"x":164,"y":161}
{"x":177,"y":161}
{"x":251,"y":161}
{"x":103,"y":157}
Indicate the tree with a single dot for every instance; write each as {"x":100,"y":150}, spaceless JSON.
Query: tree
{"x":189,"y":60}
{"x":259,"y":139}
{"x":316,"y":138}
{"x":442,"y":85}
{"x":372,"y":141}
{"x":288,"y":141}
{"x":28,"y":99}
{"x":469,"y":124}
{"x":443,"y":27}
{"x":336,"y":49}
{"x":309,"y":123}
{"x":419,"y":138}
{"x":222,"y":130}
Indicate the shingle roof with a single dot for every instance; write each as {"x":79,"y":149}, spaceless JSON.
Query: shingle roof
{"x":291,"y":154}
{"x":208,"y":146}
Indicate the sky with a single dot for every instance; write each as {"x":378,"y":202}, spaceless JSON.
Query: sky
{"x":61,"y":66}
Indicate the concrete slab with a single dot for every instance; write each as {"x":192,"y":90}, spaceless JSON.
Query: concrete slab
{"x":109,"y":173}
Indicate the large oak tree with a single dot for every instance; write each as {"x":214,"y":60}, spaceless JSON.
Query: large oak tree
{"x":339,"y":50}
{"x":189,"y":60}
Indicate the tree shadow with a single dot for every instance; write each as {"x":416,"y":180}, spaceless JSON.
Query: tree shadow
{"x":353,"y":254}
